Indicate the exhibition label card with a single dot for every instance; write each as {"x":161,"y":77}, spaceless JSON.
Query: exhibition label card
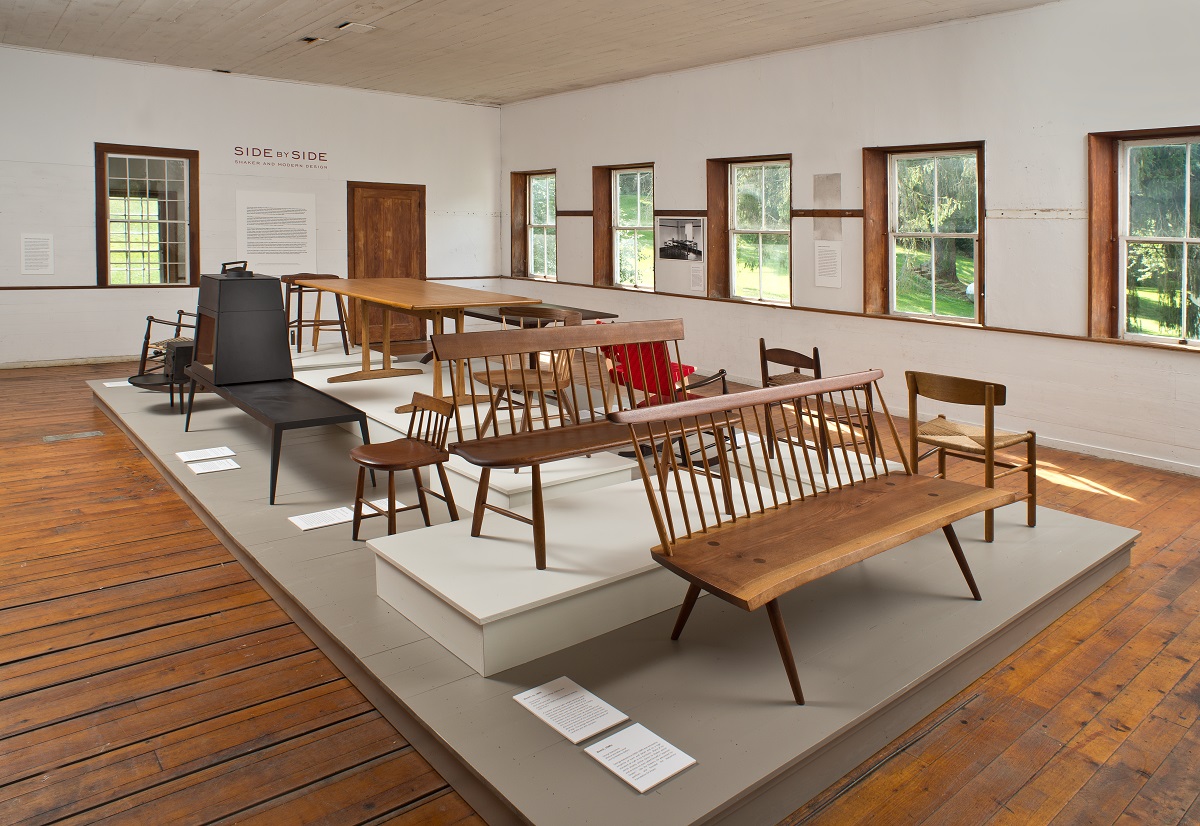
{"x":122,"y":383}
{"x":639,"y":757}
{"x":205,"y":453}
{"x":572,"y":711}
{"x":210,"y":467}
{"x":321,"y":519}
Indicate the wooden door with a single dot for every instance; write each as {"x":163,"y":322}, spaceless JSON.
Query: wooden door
{"x":386,"y":224}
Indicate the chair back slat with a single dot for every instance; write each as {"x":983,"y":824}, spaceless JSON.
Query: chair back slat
{"x":430,"y":420}
{"x":708,"y":463}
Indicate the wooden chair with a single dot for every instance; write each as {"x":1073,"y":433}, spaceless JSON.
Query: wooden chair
{"x":299,"y":324}
{"x":531,"y":376}
{"x":967,"y":441}
{"x":153,"y":373}
{"x":424,"y":445}
{"x":803,"y":368}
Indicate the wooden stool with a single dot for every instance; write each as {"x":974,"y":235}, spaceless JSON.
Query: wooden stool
{"x":424,"y":445}
{"x":298,"y":324}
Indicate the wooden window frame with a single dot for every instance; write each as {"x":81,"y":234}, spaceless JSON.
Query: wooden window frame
{"x":603,"y":263}
{"x":192,"y":156}
{"x":518,"y":198}
{"x":877,"y":264}
{"x":1104,"y":224}
{"x":720,"y":273}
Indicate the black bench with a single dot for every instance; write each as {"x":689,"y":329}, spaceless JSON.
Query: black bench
{"x":281,"y":404}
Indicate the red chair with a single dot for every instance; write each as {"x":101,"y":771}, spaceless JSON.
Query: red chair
{"x":650,"y":377}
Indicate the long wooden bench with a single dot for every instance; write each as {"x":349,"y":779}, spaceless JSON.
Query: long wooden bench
{"x":789,"y":513}
{"x":568,"y":364}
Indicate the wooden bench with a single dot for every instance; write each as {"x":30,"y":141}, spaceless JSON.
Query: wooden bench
{"x":582,"y":384}
{"x":790,"y":513}
{"x":281,"y":404}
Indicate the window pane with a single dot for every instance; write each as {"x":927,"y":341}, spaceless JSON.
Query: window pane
{"x":777,"y":197}
{"x":954,"y":269}
{"x":627,"y":252}
{"x":627,"y":199}
{"x":540,"y":201}
{"x":645,"y":258}
{"x":1192,"y":319}
{"x":137,"y":167}
{"x":748,"y":205}
{"x":537,"y":252}
{"x":914,"y":286}
{"x":117,"y":167}
{"x":958,"y":194}
{"x":551,"y":236}
{"x":1156,"y":190}
{"x":646,"y":201}
{"x":551,"y":200}
{"x":175,"y":170}
{"x":1153,"y":282}
{"x":156,"y":168}
{"x":776,"y":269}
{"x":1194,"y":232}
{"x":914,"y":195}
{"x":746,"y":266}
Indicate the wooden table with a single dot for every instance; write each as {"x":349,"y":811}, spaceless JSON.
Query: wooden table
{"x":430,"y":300}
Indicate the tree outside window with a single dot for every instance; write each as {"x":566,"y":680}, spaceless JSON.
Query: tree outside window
{"x":934,"y":233}
{"x":543,"y":241}
{"x":761,"y":222}
{"x":633,"y":228}
{"x":1160,"y":239}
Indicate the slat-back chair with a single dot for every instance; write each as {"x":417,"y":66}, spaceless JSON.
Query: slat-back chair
{"x":530,"y":376}
{"x":775,"y":517}
{"x":967,"y":441}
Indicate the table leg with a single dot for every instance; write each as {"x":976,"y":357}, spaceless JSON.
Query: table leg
{"x":276,"y":441}
{"x":385,"y":371}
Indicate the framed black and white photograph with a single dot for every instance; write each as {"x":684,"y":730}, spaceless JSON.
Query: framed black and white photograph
{"x":680,"y":239}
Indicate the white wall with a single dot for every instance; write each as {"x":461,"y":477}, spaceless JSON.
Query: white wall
{"x":1030,"y":84}
{"x":56,"y":107}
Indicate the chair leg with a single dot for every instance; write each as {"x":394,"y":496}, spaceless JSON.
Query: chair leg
{"x":341,"y":313}
{"x":1031,"y":458}
{"x":391,"y":513}
{"x":358,"y":501}
{"x":685,"y":610}
{"x":424,"y":503}
{"x":447,"y":493}
{"x":481,"y":496}
{"x":785,"y":650}
{"x":287,"y":309}
{"x":317,"y":322}
{"x":299,"y":319}
{"x":952,"y":538}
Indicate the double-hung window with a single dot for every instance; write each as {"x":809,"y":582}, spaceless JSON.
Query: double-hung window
{"x":1160,"y":239}
{"x":542,"y":228}
{"x":633,"y":228}
{"x":760,"y":223}
{"x":933,"y":230}
{"x":147,"y":216}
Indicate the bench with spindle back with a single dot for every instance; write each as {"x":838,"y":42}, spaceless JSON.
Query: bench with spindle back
{"x":568,"y":364}
{"x":751,"y":519}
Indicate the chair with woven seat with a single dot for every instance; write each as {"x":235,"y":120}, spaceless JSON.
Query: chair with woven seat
{"x":974,"y":443}
{"x":299,"y":324}
{"x":803,"y":368}
{"x":543,"y":375}
{"x":424,"y":445}
{"x":154,"y":371}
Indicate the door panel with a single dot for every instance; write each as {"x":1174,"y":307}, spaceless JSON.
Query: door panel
{"x":386,"y":224}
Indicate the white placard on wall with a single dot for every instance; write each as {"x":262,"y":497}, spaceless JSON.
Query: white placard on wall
{"x":37,"y":253}
{"x":828,"y":263}
{"x":277,"y":231}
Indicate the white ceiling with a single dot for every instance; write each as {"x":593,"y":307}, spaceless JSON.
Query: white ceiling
{"x":486,"y":51}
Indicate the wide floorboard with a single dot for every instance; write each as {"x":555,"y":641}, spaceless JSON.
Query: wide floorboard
{"x":145,"y":677}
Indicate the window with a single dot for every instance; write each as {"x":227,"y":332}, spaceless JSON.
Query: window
{"x":633,"y":228}
{"x":760,"y":222}
{"x":933,"y":229}
{"x":147,"y":216}
{"x":1159,"y":239}
{"x":543,"y":254}
{"x":922,"y":231}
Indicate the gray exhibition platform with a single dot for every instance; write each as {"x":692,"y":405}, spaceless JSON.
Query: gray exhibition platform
{"x":878,"y":646}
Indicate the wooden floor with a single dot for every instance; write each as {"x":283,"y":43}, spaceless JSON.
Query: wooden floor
{"x":144,"y":677}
